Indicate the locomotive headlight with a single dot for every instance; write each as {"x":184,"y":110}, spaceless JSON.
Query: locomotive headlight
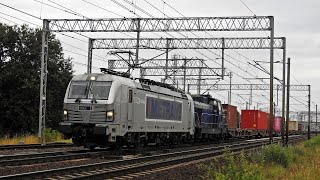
{"x":65,"y":114}
{"x":110,"y":114}
{"x":92,"y":78}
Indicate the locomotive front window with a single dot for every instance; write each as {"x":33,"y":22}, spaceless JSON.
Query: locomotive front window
{"x":78,"y":89}
{"x":99,"y":90}
{"x":89,"y":90}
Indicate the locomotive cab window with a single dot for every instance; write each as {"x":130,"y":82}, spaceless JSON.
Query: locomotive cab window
{"x":78,"y":89}
{"x":99,"y":90}
{"x":88,"y":90}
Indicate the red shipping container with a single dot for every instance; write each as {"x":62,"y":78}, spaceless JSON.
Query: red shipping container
{"x":277,"y":124}
{"x":254,"y":119}
{"x":230,"y":115}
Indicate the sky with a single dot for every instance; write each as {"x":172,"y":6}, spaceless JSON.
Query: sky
{"x":294,"y":19}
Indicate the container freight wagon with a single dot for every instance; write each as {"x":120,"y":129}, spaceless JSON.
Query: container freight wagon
{"x":277,"y":125}
{"x":293,"y":126}
{"x":255,"y":121}
{"x":230,"y":116}
{"x":303,"y":127}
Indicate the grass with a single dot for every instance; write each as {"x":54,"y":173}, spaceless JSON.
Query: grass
{"x":308,"y":165}
{"x":50,"y":136}
{"x":301,"y":162}
{"x":27,"y":139}
{"x":232,"y":167}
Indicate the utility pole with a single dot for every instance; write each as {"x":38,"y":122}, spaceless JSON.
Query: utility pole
{"x":43,"y":82}
{"x":316,"y":120}
{"x":250,"y":99}
{"x":309,"y":101}
{"x":277,"y":95}
{"x":184,"y":73}
{"x":138,"y":43}
{"x":229,"y":102}
{"x":167,"y":59}
{"x":271,"y":78}
{"x":89,"y":65}
{"x":283,"y":94}
{"x":222,"y":58}
{"x":288,"y":104}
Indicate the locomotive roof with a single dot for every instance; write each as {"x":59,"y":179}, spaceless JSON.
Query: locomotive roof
{"x":129,"y":82}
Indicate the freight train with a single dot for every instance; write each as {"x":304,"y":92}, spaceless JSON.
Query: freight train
{"x":254,"y":123}
{"x":112,"y":109}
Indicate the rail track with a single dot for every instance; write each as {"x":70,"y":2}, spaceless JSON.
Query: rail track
{"x":125,"y":167}
{"x":35,"y":158}
{"x":35,"y":146}
{"x":45,"y":157}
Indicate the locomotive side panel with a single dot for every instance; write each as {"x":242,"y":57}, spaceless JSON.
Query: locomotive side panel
{"x":154,"y":112}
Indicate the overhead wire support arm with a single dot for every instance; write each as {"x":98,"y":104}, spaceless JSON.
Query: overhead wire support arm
{"x":189,"y":43}
{"x":223,"y":87}
{"x":241,"y":23}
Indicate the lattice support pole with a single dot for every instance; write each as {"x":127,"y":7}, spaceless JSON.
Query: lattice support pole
{"x":283,"y":90}
{"x":89,"y":64}
{"x":271,"y":78}
{"x":43,"y":81}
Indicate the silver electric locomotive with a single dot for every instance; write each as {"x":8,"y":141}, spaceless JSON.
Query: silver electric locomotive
{"x":110,"y":109}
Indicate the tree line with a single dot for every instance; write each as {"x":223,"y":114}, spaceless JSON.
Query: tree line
{"x":20,"y":62}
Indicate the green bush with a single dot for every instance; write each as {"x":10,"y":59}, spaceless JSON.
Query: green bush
{"x":256,"y":156}
{"x":313,"y":142}
{"x":277,"y":154}
{"x":231,"y":168}
{"x":52,"y":135}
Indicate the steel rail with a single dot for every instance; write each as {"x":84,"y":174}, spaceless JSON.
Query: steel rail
{"x":41,"y":158}
{"x":120,"y":167}
{"x":79,"y":171}
{"x":35,"y":146}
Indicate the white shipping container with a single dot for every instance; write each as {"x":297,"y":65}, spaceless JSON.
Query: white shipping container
{"x":293,"y":125}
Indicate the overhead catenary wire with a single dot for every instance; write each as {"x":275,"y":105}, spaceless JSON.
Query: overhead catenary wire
{"x":73,"y":61}
{"x":184,"y":16}
{"x":101,"y":58}
{"x":275,"y":51}
{"x":207,"y":49}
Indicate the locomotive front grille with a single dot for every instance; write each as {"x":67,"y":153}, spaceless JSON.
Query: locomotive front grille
{"x":74,"y":115}
{"x":98,"y":116}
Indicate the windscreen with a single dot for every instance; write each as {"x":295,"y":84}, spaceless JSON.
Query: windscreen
{"x":78,"y":89}
{"x":89,"y":90}
{"x":99,"y":90}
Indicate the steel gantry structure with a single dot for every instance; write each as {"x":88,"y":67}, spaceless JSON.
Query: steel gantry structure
{"x":187,"y":43}
{"x":223,"y":87}
{"x":138,"y":25}
{"x":184,"y":43}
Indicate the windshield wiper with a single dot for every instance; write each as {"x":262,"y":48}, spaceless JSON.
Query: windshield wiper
{"x":93,"y":98}
{"x":78,"y":100}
